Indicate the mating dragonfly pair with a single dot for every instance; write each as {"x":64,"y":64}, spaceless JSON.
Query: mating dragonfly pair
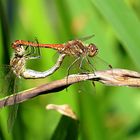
{"x":72,"y":48}
{"x":25,"y":50}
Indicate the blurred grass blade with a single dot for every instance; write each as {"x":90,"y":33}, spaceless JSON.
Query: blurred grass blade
{"x":67,"y":129}
{"x":124,"y":22}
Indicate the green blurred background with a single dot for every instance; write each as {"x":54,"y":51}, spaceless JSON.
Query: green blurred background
{"x":113,"y":113}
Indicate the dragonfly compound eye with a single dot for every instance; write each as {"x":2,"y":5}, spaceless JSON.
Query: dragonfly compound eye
{"x":92,"y":50}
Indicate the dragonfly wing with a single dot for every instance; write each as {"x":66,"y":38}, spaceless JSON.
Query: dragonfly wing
{"x":4,"y":71}
{"x":12,"y":116}
{"x":86,"y":37}
{"x":98,"y":63}
{"x":11,"y":88}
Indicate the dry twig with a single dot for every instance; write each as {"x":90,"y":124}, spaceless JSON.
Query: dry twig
{"x":112,"y":77}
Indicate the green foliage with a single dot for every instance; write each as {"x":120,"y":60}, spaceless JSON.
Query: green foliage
{"x":66,"y":129}
{"x":105,"y":113}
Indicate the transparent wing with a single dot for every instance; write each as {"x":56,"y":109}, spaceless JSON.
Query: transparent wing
{"x":12,"y":109}
{"x":86,"y":37}
{"x":4,"y":72}
{"x":98,"y":63}
{"x":8,"y":86}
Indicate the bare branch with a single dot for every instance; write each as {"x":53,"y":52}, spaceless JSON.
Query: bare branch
{"x":112,"y":77}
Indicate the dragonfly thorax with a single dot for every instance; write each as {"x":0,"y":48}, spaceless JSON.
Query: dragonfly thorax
{"x":18,"y":61}
{"x":19,"y":51}
{"x":18,"y":65}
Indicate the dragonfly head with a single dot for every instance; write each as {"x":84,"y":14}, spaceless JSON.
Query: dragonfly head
{"x":18,"y":48}
{"x":92,"y":50}
{"x":20,"y":51}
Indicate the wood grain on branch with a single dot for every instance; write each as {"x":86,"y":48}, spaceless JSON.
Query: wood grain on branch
{"x":112,"y":77}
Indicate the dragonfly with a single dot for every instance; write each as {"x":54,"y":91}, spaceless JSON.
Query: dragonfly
{"x":71,"y":48}
{"x":18,"y":69}
{"x":18,"y":64}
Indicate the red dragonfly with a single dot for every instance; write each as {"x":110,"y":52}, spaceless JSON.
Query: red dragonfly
{"x":73,"y":47}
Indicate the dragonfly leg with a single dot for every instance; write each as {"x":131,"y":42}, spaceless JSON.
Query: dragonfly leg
{"x":80,"y":66}
{"x":33,"y":53}
{"x":91,"y":65}
{"x":68,"y":70}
